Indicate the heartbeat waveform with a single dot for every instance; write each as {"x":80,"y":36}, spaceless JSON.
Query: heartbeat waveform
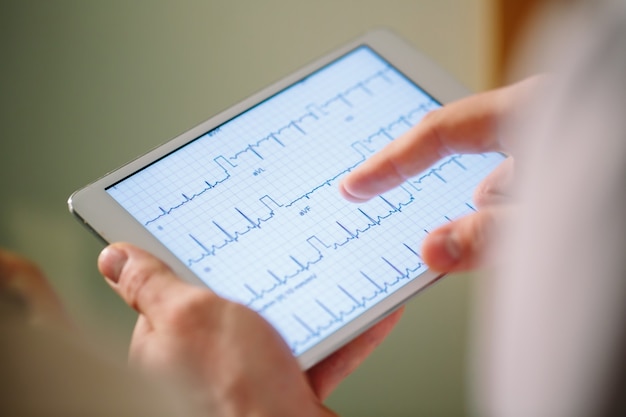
{"x":360,"y":303}
{"x":301,"y":268}
{"x":254,"y":148}
{"x":187,"y":199}
{"x":209,"y":250}
{"x":221,"y":211}
{"x":231,"y":237}
{"x":343,"y":96}
{"x":258,"y":294}
{"x":384,"y":131}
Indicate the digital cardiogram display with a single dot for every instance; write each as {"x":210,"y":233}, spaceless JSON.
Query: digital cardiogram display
{"x":253,"y":208}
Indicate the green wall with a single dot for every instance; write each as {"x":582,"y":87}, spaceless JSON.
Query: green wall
{"x":88,"y":85}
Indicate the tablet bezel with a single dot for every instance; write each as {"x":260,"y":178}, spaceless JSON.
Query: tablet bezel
{"x":112,"y":223}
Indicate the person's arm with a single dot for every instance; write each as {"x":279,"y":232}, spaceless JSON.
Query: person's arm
{"x":470,"y":125}
{"x":231,"y":361}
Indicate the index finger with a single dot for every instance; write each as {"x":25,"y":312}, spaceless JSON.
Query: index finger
{"x":469,"y":125}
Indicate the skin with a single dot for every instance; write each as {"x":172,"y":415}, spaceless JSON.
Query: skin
{"x":231,"y":361}
{"x":226,"y":358}
{"x":29,"y":288}
{"x":234,"y":360}
{"x":470,"y":125}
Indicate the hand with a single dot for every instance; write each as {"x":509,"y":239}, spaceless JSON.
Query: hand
{"x":26,"y":288}
{"x":470,"y":125}
{"x":227,"y":356}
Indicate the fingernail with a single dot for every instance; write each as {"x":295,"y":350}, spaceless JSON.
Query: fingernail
{"x":112,"y":261}
{"x":344,"y":192}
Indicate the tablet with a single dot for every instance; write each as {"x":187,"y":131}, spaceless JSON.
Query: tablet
{"x":247,"y":202}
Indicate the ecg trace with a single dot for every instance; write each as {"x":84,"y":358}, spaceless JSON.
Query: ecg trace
{"x":252,"y":206}
{"x":313,"y":110}
{"x":392,"y":208}
{"x":359,"y":303}
{"x":249,"y":224}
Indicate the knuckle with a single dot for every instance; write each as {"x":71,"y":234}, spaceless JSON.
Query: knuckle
{"x":431,"y":117}
{"x":135,"y":278}
{"x":396,"y":167}
{"x":191,"y":309}
{"x":132,"y":285}
{"x":432,"y":125}
{"x":497,"y":187}
{"x":198,"y":300}
{"x":482,"y":194}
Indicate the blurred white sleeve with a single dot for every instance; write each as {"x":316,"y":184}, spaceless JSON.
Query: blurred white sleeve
{"x":551,"y":336}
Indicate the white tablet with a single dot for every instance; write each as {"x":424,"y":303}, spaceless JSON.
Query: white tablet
{"x":247,"y":202}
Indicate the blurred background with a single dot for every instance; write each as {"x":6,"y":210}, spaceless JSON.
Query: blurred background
{"x":86,"y":86}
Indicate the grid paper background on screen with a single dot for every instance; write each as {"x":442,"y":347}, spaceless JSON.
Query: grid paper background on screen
{"x":252,"y":207}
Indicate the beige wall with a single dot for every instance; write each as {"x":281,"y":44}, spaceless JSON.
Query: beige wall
{"x":87,"y":85}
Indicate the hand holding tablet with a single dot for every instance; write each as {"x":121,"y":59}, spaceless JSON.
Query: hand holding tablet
{"x":247,"y":203}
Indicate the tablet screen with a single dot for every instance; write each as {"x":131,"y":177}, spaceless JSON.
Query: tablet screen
{"x":252,"y":206}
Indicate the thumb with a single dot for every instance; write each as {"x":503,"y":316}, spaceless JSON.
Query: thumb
{"x":139,"y":278}
{"x":462,"y":244}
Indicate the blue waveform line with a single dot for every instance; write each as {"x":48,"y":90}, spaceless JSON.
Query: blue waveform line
{"x":253,"y":147}
{"x":343,"y":96}
{"x":210,"y":250}
{"x":187,"y":199}
{"x":455,"y":159}
{"x":352,"y":235}
{"x":301,"y":267}
{"x":359,"y":303}
{"x":259,"y":294}
{"x":273,"y":136}
{"x":358,"y":232}
{"x":328,"y":182}
{"x":231,"y":237}
{"x":382,"y":131}
{"x":402,"y":120}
